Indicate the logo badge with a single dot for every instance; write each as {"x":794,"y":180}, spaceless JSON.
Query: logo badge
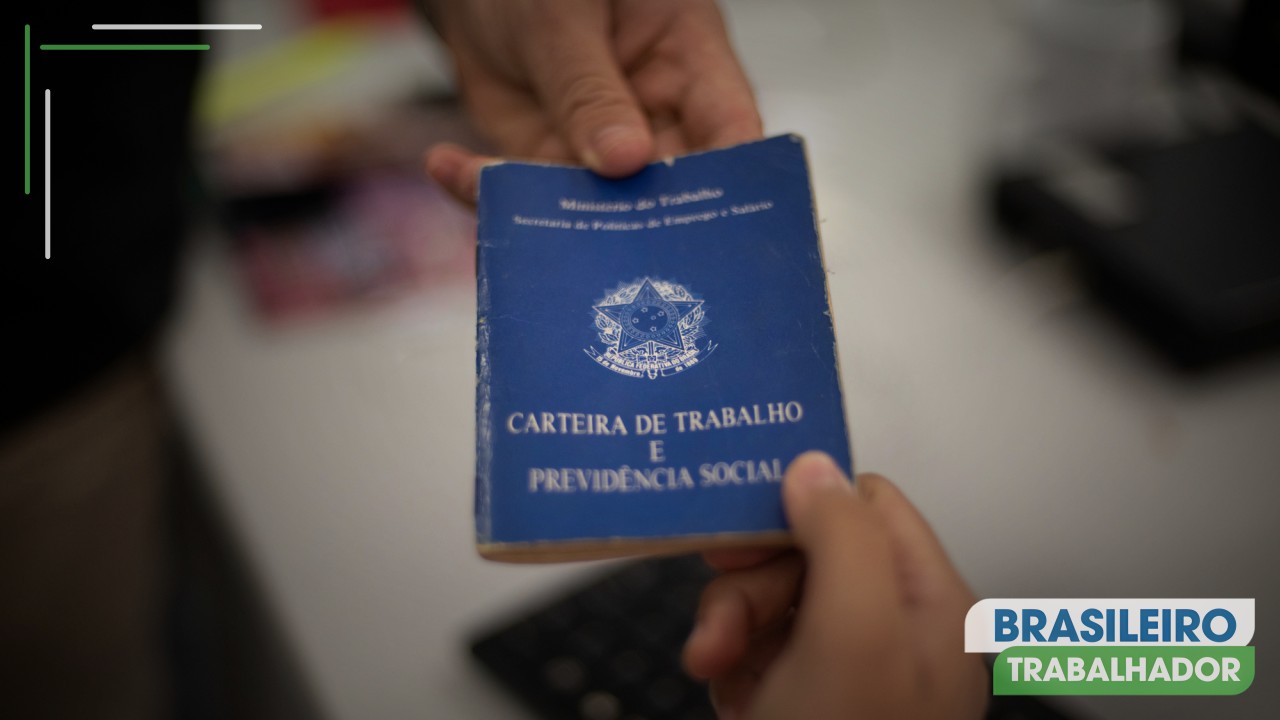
{"x":650,"y":328}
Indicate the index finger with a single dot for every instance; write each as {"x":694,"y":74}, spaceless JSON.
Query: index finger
{"x":718,"y":107}
{"x":719,"y":111}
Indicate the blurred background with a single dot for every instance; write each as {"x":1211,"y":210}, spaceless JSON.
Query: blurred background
{"x":1052,"y":236}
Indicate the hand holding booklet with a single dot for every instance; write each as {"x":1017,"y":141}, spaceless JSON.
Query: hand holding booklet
{"x":651,"y":354}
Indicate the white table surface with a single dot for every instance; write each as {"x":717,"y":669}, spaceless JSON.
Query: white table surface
{"x":1054,"y":453}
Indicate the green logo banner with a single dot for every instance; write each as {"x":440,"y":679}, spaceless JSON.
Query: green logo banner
{"x":1123,"y":670}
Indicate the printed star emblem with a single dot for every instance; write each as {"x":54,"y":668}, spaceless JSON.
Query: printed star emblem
{"x":649,"y":318}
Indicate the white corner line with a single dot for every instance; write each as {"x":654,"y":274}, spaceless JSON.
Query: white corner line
{"x":48,"y":143}
{"x":180,"y":26}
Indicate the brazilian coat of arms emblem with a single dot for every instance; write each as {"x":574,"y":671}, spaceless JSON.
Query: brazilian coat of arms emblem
{"x":650,"y":329}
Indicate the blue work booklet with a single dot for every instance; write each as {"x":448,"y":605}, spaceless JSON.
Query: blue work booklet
{"x":651,"y":354}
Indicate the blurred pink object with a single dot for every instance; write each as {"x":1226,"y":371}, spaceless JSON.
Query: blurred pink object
{"x":387,"y":234}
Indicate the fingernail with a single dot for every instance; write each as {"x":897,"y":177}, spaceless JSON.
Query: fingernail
{"x":699,"y":629}
{"x":605,"y":141}
{"x":704,"y":624}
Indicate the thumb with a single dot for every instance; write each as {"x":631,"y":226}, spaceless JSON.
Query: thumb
{"x":579,"y":83}
{"x":851,"y":593}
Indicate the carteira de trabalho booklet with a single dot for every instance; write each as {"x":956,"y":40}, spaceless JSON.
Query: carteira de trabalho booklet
{"x":651,"y":354}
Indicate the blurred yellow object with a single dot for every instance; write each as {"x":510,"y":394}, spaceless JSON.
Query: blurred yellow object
{"x":240,"y":87}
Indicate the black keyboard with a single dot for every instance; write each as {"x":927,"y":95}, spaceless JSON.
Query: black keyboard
{"x":610,"y":650}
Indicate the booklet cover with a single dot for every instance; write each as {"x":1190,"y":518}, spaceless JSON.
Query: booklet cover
{"x":651,"y":354}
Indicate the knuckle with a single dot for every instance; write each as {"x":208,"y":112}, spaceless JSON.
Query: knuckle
{"x":870,"y":485}
{"x":588,"y":95}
